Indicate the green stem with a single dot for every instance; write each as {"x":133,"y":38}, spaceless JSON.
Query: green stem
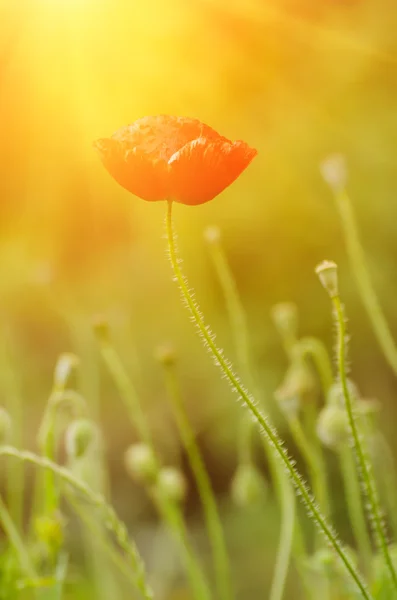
{"x":311,"y":346}
{"x":363,"y":279}
{"x":213,"y":522}
{"x":96,"y":530}
{"x":127,"y":391}
{"x":355,"y":507}
{"x":387,"y":470}
{"x":364,"y":465}
{"x":11,"y":389}
{"x":172,"y":515}
{"x":169,"y":511}
{"x":263,"y":422}
{"x":110,"y":519}
{"x":317,"y":472}
{"x":283,"y":555}
{"x":16,"y":541}
{"x":238,"y":322}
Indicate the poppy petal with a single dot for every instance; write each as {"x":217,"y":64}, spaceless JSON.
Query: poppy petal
{"x":138,"y":172}
{"x":163,"y":135}
{"x":203,"y":168}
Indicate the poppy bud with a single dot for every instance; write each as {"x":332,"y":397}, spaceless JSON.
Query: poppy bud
{"x":49,"y":532}
{"x":172,"y":484}
{"x":248,"y":486}
{"x":212,"y":234}
{"x":5,"y":426}
{"x":336,"y":395}
{"x":63,"y":368}
{"x":285,"y":318}
{"x":327,"y":272}
{"x":79,"y":437}
{"x":298,"y":384}
{"x":166,"y":355}
{"x":333,"y":426}
{"x":140,"y":463}
{"x":334,"y":171}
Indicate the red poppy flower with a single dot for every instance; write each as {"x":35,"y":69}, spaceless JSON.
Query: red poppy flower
{"x":177,"y":158}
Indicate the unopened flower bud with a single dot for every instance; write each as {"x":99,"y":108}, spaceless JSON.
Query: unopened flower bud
{"x":333,"y":426}
{"x":172,"y":484}
{"x":63,"y":369}
{"x":140,"y":463}
{"x":248,"y":486}
{"x":285,"y":318}
{"x":336,"y":394}
{"x":166,"y":355}
{"x":212,"y":234}
{"x":327,"y":272}
{"x":5,"y":426}
{"x":334,"y":172}
{"x":298,"y":385}
{"x":49,"y":531}
{"x":80,"y":436}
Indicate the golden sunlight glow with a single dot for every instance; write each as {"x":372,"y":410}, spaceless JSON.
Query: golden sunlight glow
{"x":79,"y":69}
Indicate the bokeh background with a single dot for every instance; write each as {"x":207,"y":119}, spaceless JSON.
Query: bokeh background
{"x":297,"y":79}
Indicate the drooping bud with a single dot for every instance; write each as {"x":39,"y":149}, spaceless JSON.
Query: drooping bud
{"x":336,"y":395}
{"x":285,"y":318}
{"x":327,"y":272}
{"x":334,"y":171}
{"x":49,"y":532}
{"x":5,"y":426}
{"x":248,"y":486}
{"x":172,"y":484}
{"x":298,"y":385}
{"x":212,"y":234}
{"x":333,"y":426}
{"x":81,"y":435}
{"x":140,"y":463}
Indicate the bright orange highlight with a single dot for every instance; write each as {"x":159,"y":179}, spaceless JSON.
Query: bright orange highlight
{"x":179,"y":158}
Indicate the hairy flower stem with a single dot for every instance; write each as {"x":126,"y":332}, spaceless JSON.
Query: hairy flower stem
{"x":263,"y":422}
{"x":315,"y":465}
{"x":363,"y":279}
{"x":316,"y":349}
{"x":364,"y":465}
{"x":110,"y":519}
{"x":354,"y":507}
{"x":284,"y":491}
{"x":213,"y":522}
{"x":169,"y":511}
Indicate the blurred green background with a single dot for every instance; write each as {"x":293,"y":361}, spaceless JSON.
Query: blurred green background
{"x":296,"y":79}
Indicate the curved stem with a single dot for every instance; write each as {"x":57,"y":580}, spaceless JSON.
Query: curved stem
{"x":110,"y":519}
{"x":363,"y":279}
{"x":311,"y":346}
{"x":364,"y":465}
{"x":266,"y":428}
{"x":213,"y":522}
